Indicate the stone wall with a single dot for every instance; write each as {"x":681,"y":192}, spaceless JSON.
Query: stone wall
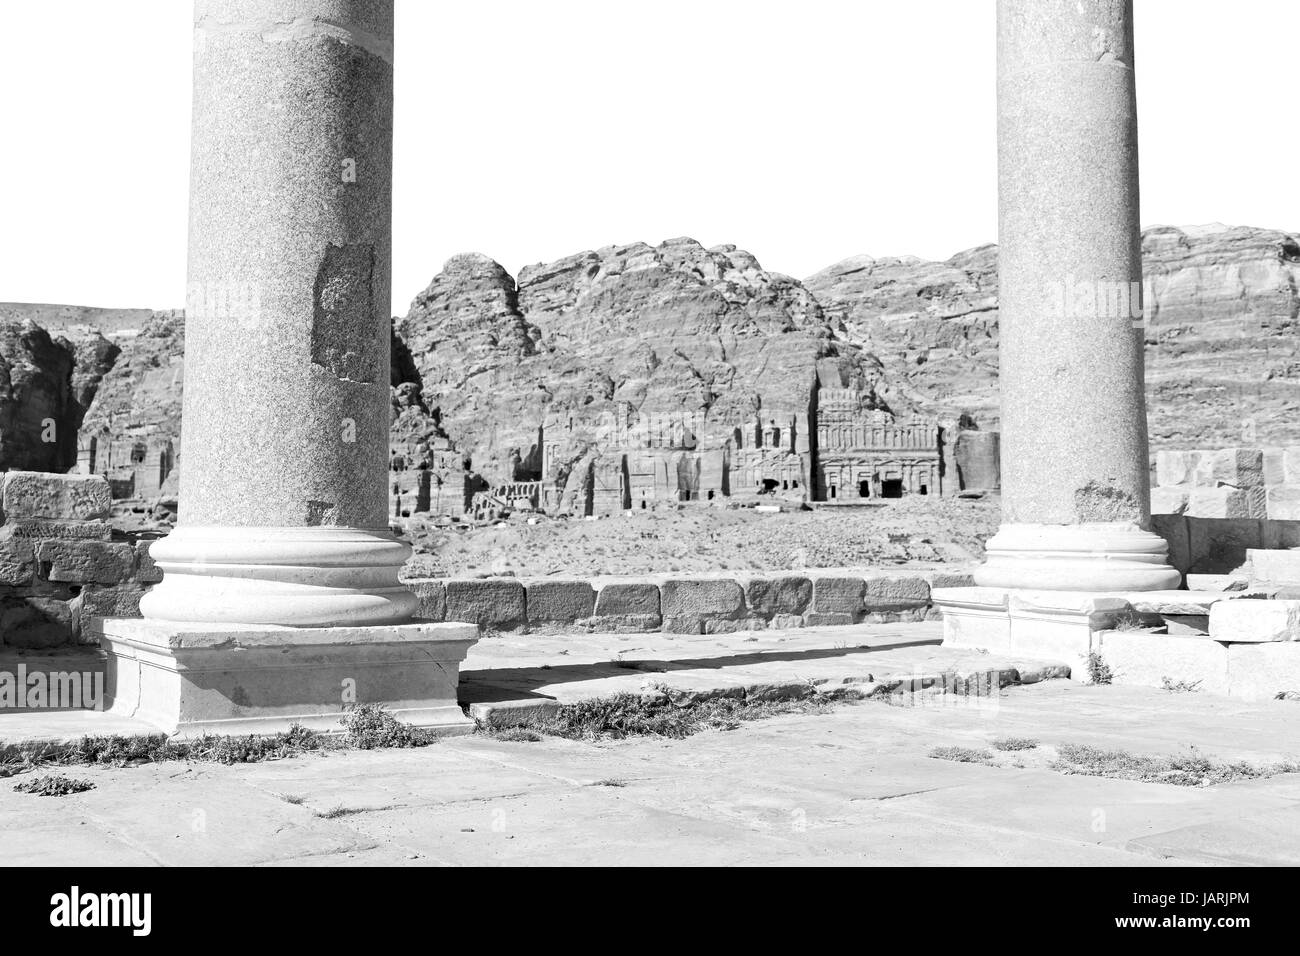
{"x":1228,"y":483}
{"x":61,"y":563}
{"x":686,"y":604}
{"x":1221,"y":546}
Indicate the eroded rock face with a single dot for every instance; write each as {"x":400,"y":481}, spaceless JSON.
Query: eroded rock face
{"x":1223,"y":367}
{"x":140,"y":395}
{"x":677,"y":330}
{"x":1223,"y":352}
{"x":934,"y":325}
{"x":39,"y":413}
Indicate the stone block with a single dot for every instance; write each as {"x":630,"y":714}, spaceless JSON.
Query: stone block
{"x":1223,"y":583}
{"x":780,"y":690}
{"x":1274,"y":567}
{"x":1174,"y":529}
{"x":734,"y":625}
{"x":193,"y":679}
{"x":1238,"y":467}
{"x":146,"y":572}
{"x":1291,"y":465}
{"x":1219,"y":546}
{"x":17,"y":558}
{"x":1279,"y":534}
{"x":1246,"y":620}
{"x":950,"y":579}
{"x":895,"y":592}
{"x":86,"y":562}
{"x":432,"y":593}
{"x":496,"y":602}
{"x":35,"y":494}
{"x":1147,"y":660}
{"x":1263,"y":671}
{"x":700,"y":598}
{"x":623,"y":623}
{"x":1282,"y":502}
{"x":838,"y":595}
{"x":1194,"y":625}
{"x":1227,"y":502}
{"x":40,"y":529}
{"x":628,"y":598}
{"x":1169,"y":501}
{"x":122,"y":600}
{"x":35,"y":622}
{"x":829,"y":619}
{"x":559,"y":601}
{"x":514,"y":713}
{"x":690,"y":624}
{"x":1274,"y":466}
{"x":1175,"y":467}
{"x":787,"y":594}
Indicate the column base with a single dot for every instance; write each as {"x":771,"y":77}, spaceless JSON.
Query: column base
{"x":1084,"y":557}
{"x":191,"y":679}
{"x":297,"y":577}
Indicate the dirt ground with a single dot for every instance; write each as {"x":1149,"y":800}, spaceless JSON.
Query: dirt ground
{"x":704,"y":538}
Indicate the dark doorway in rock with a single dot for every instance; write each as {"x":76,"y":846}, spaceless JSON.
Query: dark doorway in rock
{"x":769,"y":486}
{"x":864,"y":489}
{"x":891,"y":488}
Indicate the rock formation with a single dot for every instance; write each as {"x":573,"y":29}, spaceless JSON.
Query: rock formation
{"x":46,"y":384}
{"x":677,"y":330}
{"x":1222,"y":369}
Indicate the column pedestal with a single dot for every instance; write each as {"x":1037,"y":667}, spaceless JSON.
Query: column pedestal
{"x":193,"y":679}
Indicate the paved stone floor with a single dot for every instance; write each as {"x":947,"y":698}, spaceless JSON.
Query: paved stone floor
{"x":850,"y":786}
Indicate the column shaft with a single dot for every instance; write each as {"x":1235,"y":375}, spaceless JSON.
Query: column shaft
{"x":1075,"y":485}
{"x":285,"y":421}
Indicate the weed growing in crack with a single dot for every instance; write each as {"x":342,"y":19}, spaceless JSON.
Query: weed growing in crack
{"x":961,"y":755}
{"x":1098,"y":670}
{"x":54,"y":785}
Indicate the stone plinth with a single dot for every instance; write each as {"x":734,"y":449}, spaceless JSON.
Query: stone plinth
{"x":192,"y":679}
{"x":1075,"y":483}
{"x":1059,"y":625}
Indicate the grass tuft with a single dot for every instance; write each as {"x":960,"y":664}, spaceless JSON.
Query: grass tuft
{"x":365,"y":727}
{"x":1099,"y":671}
{"x":1181,"y":770}
{"x":632,"y":715}
{"x":1015,"y":743}
{"x":961,"y":755}
{"x":54,"y":785}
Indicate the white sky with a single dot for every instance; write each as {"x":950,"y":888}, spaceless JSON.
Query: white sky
{"x":804,"y":132}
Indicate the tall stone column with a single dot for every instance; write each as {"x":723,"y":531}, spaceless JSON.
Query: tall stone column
{"x":1075,"y":482}
{"x":280,"y":602}
{"x":284,"y":453}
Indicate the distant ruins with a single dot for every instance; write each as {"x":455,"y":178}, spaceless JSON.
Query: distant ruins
{"x":135,"y":468}
{"x":839,"y":451}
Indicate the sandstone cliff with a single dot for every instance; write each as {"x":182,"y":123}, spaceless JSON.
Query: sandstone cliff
{"x":675,"y":330}
{"x":46,"y":386}
{"x":140,"y":396}
{"x":1223,"y":362}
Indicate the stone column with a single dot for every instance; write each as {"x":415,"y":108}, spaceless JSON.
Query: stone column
{"x":1075,"y":484}
{"x":284,"y":455}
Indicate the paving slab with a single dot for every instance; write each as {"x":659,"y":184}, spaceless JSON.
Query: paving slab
{"x":849,"y":785}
